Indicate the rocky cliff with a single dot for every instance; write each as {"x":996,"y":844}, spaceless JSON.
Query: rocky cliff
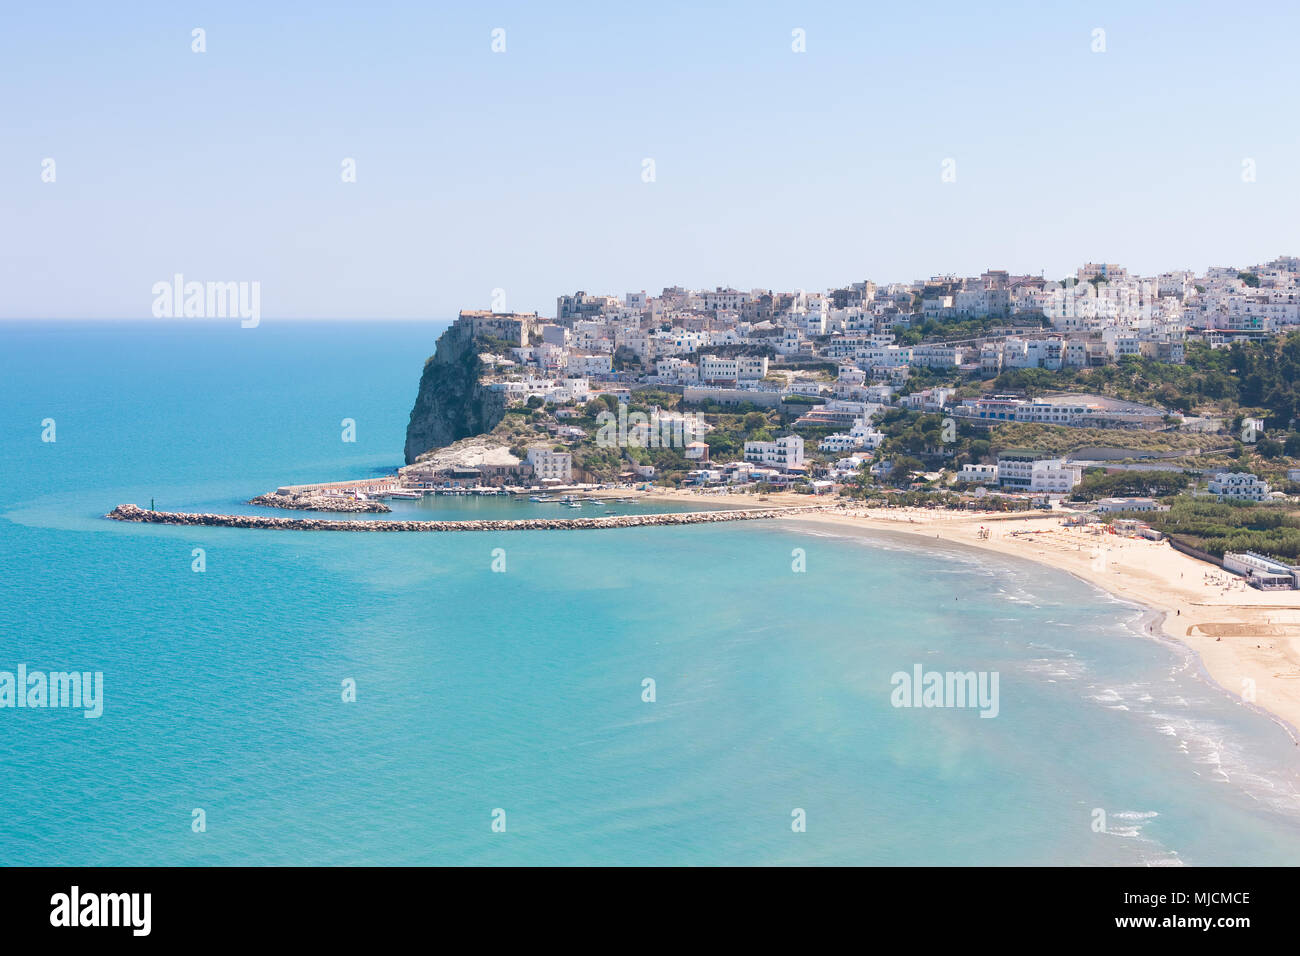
{"x":451,"y":404}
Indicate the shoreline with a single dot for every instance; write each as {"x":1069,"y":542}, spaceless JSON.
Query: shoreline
{"x":1242,"y":640}
{"x":1152,"y":623}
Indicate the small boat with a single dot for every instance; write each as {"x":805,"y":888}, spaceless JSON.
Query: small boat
{"x":574,"y":504}
{"x":405,"y":495}
{"x":539,"y":498}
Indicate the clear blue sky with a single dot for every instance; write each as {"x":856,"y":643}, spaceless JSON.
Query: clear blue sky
{"x":522,"y":170}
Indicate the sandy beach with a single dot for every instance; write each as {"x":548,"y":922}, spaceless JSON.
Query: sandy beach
{"x":1247,"y":640}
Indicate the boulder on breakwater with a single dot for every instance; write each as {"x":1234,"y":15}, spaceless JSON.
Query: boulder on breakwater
{"x":320,"y":503}
{"x":138,"y":514}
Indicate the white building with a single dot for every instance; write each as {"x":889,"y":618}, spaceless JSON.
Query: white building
{"x":1030,"y":471}
{"x":786,"y":453}
{"x":716,"y":368}
{"x":978,"y":474}
{"x":938,"y":355}
{"x":1110,"y":505}
{"x":569,"y":390}
{"x":589,"y":363}
{"x":927,"y":400}
{"x":860,"y":436}
{"x":1262,"y":572}
{"x":677,"y":371}
{"x":551,"y":466}
{"x":851,"y":375}
{"x":1238,"y":486}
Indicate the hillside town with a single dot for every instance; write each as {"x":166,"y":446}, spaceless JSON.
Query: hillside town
{"x":717,"y":340}
{"x":1150,"y":400}
{"x":845,"y":357}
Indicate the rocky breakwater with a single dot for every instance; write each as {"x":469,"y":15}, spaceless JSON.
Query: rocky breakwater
{"x":320,"y":503}
{"x":135,"y":513}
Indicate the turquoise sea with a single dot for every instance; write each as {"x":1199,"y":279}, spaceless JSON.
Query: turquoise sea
{"x":522,"y":691}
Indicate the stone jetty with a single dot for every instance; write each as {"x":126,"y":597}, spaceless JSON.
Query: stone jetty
{"x":135,"y":513}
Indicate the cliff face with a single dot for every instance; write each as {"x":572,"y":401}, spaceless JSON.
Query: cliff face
{"x":451,"y":404}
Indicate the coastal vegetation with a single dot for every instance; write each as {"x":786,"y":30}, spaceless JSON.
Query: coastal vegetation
{"x":1262,"y":377}
{"x":1097,"y":483}
{"x":875,"y":497}
{"x":928,"y":437}
{"x":1060,"y":440}
{"x":1270,"y":529}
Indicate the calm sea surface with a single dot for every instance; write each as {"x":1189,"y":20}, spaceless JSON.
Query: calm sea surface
{"x":521,"y":691}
